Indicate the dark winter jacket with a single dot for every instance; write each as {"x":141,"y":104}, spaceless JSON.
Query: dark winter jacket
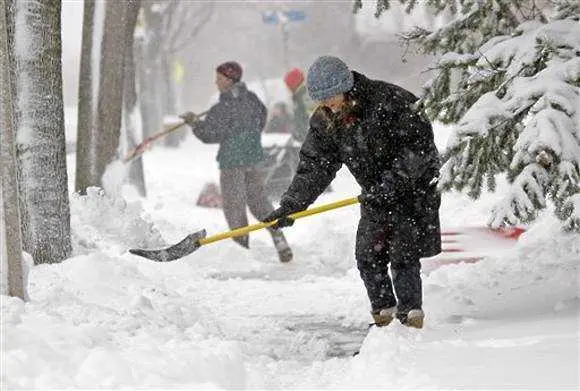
{"x":386,"y":145}
{"x":236,"y":123}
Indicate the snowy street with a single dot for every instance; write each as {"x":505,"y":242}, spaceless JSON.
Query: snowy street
{"x":134,"y":134}
{"x":224,"y":317}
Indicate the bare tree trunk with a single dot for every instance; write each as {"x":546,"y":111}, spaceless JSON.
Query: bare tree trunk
{"x":40,"y":141}
{"x":100,"y":89}
{"x":86,"y":143}
{"x":151,"y":96}
{"x":136,"y":174}
{"x":110,"y":103}
{"x":170,"y":104}
{"x":11,"y":249}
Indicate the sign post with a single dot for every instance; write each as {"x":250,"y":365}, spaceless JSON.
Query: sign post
{"x":282,"y":18}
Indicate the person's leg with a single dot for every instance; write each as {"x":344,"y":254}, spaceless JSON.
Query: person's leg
{"x":373,"y":264}
{"x":406,"y":271}
{"x":258,"y":203}
{"x":260,"y":207}
{"x":234,"y":201}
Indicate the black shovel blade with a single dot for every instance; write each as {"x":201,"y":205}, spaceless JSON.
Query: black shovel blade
{"x":171,"y":253}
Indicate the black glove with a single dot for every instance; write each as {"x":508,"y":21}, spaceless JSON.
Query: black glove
{"x":281,"y":214}
{"x":189,"y":118}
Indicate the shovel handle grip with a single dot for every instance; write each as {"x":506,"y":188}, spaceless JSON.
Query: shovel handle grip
{"x":254,"y":227}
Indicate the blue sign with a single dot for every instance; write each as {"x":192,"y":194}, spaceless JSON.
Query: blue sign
{"x":295,"y":15}
{"x":275,"y":17}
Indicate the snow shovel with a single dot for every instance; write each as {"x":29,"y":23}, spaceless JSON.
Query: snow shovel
{"x":197,"y":239}
{"x":139,"y":149}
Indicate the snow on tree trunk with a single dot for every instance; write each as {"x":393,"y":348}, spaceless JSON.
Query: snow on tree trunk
{"x":131,"y":118}
{"x":150,"y":88}
{"x":11,"y":240}
{"x":100,"y":90}
{"x":40,"y":136}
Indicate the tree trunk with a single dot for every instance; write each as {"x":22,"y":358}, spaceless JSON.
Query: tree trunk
{"x":11,"y":249}
{"x":170,"y":103}
{"x":40,"y":136}
{"x":86,"y":142}
{"x":136,"y":174}
{"x":150,"y":92}
{"x":110,"y":96}
{"x":100,"y":90}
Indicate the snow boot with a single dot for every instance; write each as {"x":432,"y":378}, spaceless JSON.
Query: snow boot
{"x":384,"y":317}
{"x":412,"y":319}
{"x":284,"y":250}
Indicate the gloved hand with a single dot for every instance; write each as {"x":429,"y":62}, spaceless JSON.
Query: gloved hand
{"x":281,"y":214}
{"x":189,"y":118}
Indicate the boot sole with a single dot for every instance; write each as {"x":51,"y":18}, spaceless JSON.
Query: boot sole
{"x":285,"y":255}
{"x":385,"y":321}
{"x":415,"y":322}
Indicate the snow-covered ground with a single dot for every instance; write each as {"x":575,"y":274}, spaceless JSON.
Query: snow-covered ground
{"x":224,"y":317}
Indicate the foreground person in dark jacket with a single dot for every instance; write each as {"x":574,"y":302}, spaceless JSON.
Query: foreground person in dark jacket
{"x":372,"y":127}
{"x":236,"y":123}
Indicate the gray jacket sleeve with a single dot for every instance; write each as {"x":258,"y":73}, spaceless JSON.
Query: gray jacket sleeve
{"x":215,"y":126}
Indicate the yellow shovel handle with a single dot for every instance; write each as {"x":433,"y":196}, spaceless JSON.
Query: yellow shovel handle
{"x":254,"y":227}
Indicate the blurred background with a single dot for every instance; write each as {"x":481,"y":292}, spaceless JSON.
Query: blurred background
{"x":267,"y":38}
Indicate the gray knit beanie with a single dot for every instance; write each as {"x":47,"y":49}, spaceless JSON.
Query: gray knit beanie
{"x":328,"y":76}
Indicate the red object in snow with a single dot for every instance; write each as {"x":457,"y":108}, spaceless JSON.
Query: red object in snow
{"x":510,"y":232}
{"x":210,"y":196}
{"x":471,"y":244}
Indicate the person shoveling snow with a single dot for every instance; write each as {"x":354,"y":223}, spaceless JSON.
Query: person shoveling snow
{"x":236,"y":123}
{"x":372,"y":128}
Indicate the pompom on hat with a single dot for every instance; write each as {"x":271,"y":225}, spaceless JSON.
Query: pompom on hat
{"x":294,"y":79}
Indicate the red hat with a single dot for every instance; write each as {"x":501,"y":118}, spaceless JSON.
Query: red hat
{"x":231,"y":69}
{"x":294,"y":79}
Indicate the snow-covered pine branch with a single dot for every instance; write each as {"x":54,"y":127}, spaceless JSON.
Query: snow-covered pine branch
{"x":537,"y":101}
{"x":509,"y":77}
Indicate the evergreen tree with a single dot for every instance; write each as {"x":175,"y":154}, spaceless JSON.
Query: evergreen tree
{"x":509,"y":77}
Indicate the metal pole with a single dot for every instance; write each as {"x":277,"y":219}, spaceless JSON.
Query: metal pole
{"x":284,"y":29}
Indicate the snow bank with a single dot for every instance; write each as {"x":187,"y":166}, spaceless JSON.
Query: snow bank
{"x":538,"y":277}
{"x":110,"y":224}
{"x":99,"y":321}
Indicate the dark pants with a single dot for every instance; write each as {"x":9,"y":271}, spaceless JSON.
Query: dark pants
{"x":390,"y":241}
{"x":243,"y":186}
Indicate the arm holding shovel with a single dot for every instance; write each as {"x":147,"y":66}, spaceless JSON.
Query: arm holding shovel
{"x":210,"y":129}
{"x":319,"y":163}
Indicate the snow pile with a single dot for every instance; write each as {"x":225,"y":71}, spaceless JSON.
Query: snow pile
{"x":100,"y":321}
{"x":114,"y":177}
{"x":537,"y":277}
{"x":106,"y":223}
{"x":224,"y":317}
